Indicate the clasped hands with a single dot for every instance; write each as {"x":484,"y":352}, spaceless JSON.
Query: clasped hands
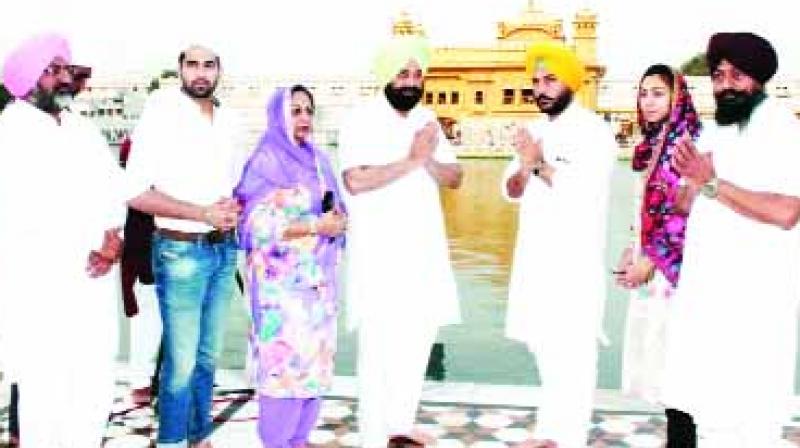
{"x":529,"y":150}
{"x":223,"y":215}
{"x":424,"y":144}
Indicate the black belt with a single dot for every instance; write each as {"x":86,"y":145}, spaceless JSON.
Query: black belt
{"x":213,"y":237}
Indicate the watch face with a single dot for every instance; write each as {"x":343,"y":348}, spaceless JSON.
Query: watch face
{"x":709,"y":189}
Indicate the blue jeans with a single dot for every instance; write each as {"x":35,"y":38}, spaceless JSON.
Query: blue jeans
{"x":194,"y":283}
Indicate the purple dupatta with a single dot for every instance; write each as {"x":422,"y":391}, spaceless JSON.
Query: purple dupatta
{"x":278,"y":162}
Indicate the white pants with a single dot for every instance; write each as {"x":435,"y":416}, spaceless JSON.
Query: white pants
{"x":145,"y":336}
{"x":67,"y":407}
{"x":392,"y":358}
{"x":568,"y":370}
{"x":64,"y":365}
{"x":645,"y":338}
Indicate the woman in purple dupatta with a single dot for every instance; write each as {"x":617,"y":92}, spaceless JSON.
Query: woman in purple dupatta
{"x":292,"y":229}
{"x":652,"y":268}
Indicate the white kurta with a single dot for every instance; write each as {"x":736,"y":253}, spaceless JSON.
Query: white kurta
{"x":398,"y":265}
{"x":400,"y":286}
{"x":731,"y":346}
{"x":58,"y":192}
{"x":558,"y":280}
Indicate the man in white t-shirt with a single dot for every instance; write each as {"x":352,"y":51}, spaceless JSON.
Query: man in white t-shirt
{"x":730,"y":361}
{"x":187,"y":160}
{"x":400,"y":285}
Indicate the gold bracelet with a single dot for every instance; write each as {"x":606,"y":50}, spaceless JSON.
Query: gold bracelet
{"x":312,"y":227}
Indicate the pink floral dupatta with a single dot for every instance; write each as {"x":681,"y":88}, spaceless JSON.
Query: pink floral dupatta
{"x":663,"y":227}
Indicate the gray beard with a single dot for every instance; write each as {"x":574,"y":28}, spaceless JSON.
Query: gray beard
{"x":45,"y":101}
{"x":63,"y":100}
{"x":51,"y":102}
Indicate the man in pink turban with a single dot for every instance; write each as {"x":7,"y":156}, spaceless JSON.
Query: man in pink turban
{"x":61,"y":211}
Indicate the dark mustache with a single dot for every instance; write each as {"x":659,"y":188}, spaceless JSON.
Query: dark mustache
{"x":62,"y":88}
{"x":407,"y":91}
{"x":544,"y":97}
{"x":730,"y":93}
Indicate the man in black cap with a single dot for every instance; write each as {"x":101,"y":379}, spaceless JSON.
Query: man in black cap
{"x":730,"y":362}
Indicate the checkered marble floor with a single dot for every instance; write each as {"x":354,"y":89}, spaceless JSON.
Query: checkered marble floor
{"x":454,"y":424}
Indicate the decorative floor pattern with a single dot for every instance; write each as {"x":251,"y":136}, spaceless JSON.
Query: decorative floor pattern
{"x":453,"y":424}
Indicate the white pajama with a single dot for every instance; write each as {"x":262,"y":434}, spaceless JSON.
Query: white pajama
{"x":145,"y":336}
{"x":392,"y":358}
{"x":66,"y":385}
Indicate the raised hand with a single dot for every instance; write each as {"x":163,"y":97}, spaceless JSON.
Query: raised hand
{"x":529,"y":150}
{"x":424,"y":143}
{"x":696,"y":168}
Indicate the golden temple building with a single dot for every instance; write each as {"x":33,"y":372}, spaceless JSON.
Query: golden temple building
{"x":490,"y":82}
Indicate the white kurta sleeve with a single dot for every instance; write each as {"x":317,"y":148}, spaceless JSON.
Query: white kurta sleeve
{"x":103,"y":206}
{"x":111,"y":198}
{"x":353,"y":143}
{"x":784,"y":153}
{"x":445,"y":153}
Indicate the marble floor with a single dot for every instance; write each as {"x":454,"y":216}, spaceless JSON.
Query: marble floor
{"x":457,"y":414}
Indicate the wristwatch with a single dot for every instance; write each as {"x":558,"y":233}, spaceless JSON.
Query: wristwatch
{"x":536,"y":169}
{"x":710,"y":189}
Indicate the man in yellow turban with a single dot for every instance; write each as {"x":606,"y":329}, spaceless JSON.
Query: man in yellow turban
{"x":560,"y":177}
{"x":394,"y":158}
{"x":558,"y":60}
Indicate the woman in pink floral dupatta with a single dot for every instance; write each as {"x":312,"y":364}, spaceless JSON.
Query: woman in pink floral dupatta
{"x":651,"y":268}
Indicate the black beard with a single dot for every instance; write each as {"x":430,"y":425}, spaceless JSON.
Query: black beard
{"x":200,"y":93}
{"x":402,"y":99}
{"x":735,"y":106}
{"x":561,"y":102}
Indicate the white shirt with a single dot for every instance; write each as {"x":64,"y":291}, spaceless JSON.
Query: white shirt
{"x":398,"y":260}
{"x":183,"y":153}
{"x":736,"y":302}
{"x":559,"y":271}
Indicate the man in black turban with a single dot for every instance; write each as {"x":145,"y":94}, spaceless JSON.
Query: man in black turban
{"x":740,"y":65}
{"x":731,"y":361}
